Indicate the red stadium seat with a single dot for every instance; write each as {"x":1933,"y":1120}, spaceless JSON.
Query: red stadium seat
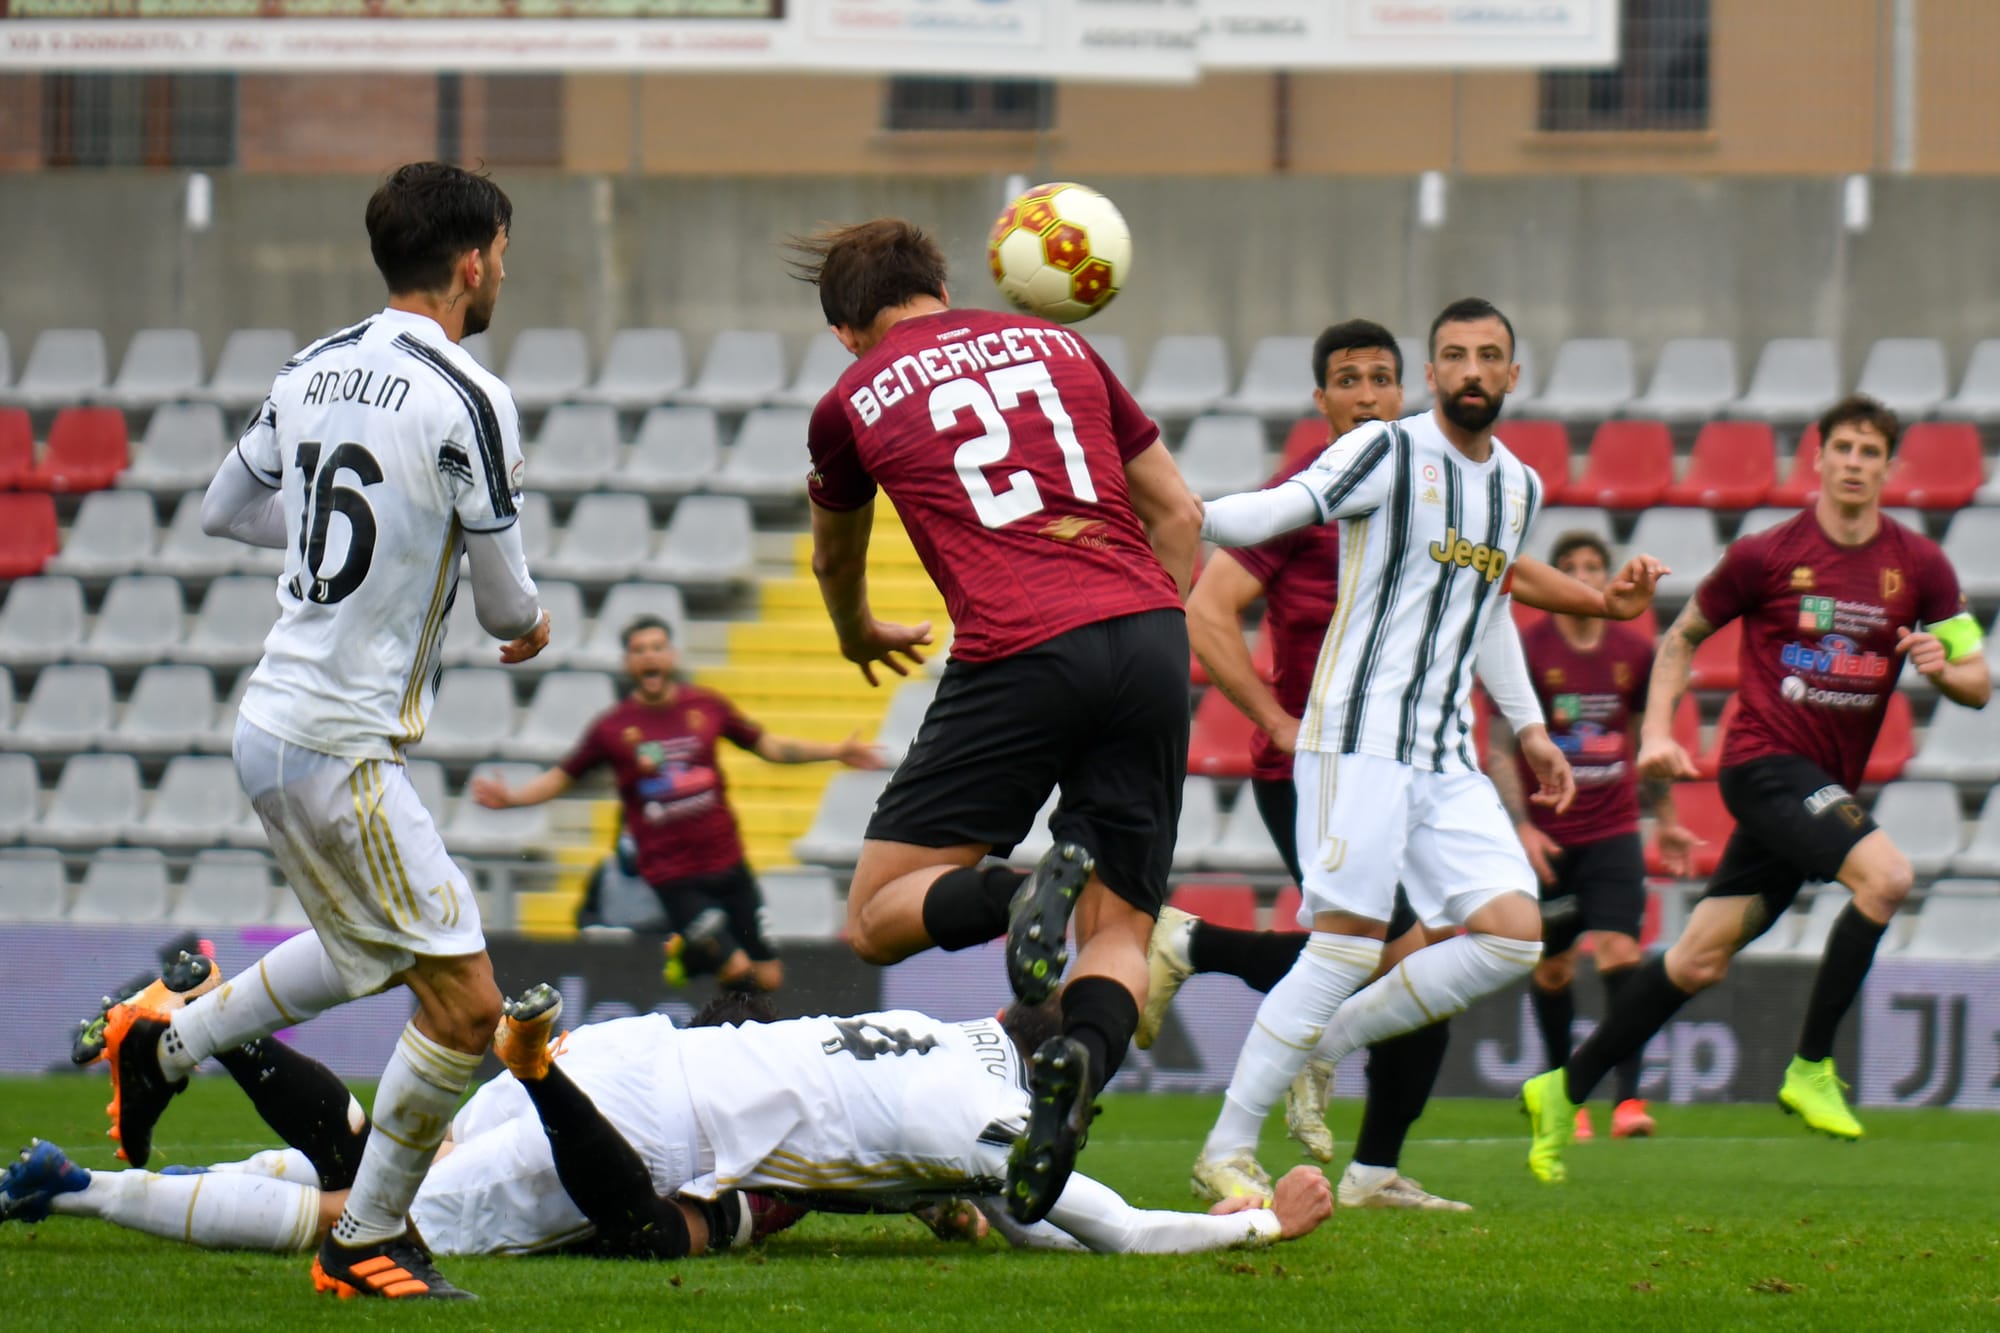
{"x":1699,"y":805}
{"x":1801,"y":484}
{"x":1735,"y":465}
{"x":1306,"y":440}
{"x":17,"y":446}
{"x":1937,"y":466}
{"x":86,"y":452}
{"x":1894,"y":744}
{"x":27,"y":534}
{"x":1717,"y":660}
{"x":1219,"y":746}
{"x":1232,"y":905}
{"x":1543,"y":446}
{"x":1630,"y":466}
{"x":1709,"y":761}
{"x":1285,"y":911}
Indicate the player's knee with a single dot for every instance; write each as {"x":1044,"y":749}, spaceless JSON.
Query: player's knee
{"x":868,"y":947}
{"x":1552,"y":974}
{"x":1697,"y":969}
{"x":1510,"y":916}
{"x":1616,"y":951}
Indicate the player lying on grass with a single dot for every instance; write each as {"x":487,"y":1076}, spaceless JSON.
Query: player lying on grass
{"x":617,"y":1149}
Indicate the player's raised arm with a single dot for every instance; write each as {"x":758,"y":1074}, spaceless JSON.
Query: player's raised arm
{"x":1170,"y":511}
{"x":1346,"y":481}
{"x":1215,"y":630}
{"x":1626,"y":597}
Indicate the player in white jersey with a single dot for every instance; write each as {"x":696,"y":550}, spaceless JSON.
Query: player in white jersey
{"x":383,"y":454}
{"x":1432,"y":511}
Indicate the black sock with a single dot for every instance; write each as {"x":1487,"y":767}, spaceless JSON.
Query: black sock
{"x":1555,"y":1016}
{"x":1260,"y":957}
{"x":1102,"y":1014}
{"x":1850,"y":950}
{"x":603,"y":1174}
{"x":1649,"y":999}
{"x":1629,"y":1068}
{"x":968,"y":906}
{"x":1401,"y":1072}
{"x":304,"y":1103}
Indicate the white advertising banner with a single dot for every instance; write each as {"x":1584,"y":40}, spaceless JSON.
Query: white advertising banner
{"x":1409,"y":34}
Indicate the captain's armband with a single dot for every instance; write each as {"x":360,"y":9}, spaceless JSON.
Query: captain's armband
{"x":1960,"y":636}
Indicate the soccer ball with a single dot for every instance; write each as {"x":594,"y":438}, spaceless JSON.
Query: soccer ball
{"x":1060,"y":251}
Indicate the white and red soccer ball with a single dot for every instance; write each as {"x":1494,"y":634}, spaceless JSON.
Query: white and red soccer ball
{"x":1060,"y":251}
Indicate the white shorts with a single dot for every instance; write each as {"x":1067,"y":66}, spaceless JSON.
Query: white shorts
{"x":363,"y":856}
{"x":1367,"y":824}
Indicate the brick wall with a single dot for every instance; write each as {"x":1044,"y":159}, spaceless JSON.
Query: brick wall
{"x":335,"y":122}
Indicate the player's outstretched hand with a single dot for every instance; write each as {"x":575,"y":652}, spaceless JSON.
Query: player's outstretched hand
{"x":1302,"y":1201}
{"x":1664,"y":759}
{"x":1552,"y":772}
{"x":953,"y":1220}
{"x":1628,"y":595}
{"x":1925,"y":650}
{"x":857,"y":753}
{"x":1542,"y":851}
{"x":525,"y":647}
{"x":492,"y":793}
{"x":883,"y":642}
{"x":1677,"y":843}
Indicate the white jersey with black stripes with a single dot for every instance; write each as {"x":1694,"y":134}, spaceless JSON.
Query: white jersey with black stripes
{"x":388,"y":443}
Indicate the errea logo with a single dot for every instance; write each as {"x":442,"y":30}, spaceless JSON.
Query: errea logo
{"x":1490,"y":561}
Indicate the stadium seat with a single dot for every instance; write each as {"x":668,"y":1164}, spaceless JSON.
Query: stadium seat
{"x":199,"y":803}
{"x":70,"y":709}
{"x":538,"y":528}
{"x":476,"y":831}
{"x":1692,"y":381}
{"x":1245,"y":844}
{"x":64,"y":366}
{"x":1201,"y":820}
{"x":472,"y":715}
{"x":642,"y":368}
{"x":1553,"y":521}
{"x":1734,"y":466}
{"x":1978,"y":396}
{"x":19,"y":795}
{"x":1981,"y":855}
{"x":1285,"y":911}
{"x":1960,"y":745}
{"x":1543,"y":446}
{"x":1972,"y":545}
{"x":1416,"y":390}
{"x":1520,"y":400}
{"x":427,"y":779}
{"x":606,"y":539}
{"x":1801,"y":483}
{"x":466,"y":642}
{"x":6,"y":700}
{"x":1277,"y":381}
{"x":123,"y":886}
{"x":33,"y":885}
{"x":17,"y":446}
{"x":1906,"y":375}
{"x":709,"y":546}
{"x":95,"y":800}
{"x":1794,"y":380}
{"x":1764,"y":518}
{"x":1186,"y":376}
{"x":1685,"y":539}
{"x":1221,"y":455}
{"x":1894,"y":743}
{"x":86,"y":451}
{"x":183,"y":446}
{"x":186,"y":552}
{"x":1219,"y":745}
{"x":41,"y":621}
{"x":1938,"y":465}
{"x":1629,"y":466}
{"x":678,"y":450}
{"x":1718,"y":661}
{"x":6,"y":362}
{"x":224,"y":888}
{"x":825,"y":360}
{"x":1305,"y":441}
{"x":479,"y":346}
{"x":743,"y":369}
{"x":604,"y":650}
{"x":1959,"y":918}
{"x":1233,"y":906}
{"x":769,"y":458}
{"x":112,"y":534}
{"x":576,"y":449}
{"x":160,"y":366}
{"x":1709,"y":760}
{"x":236,"y":613}
{"x":250,"y":361}
{"x":1117,"y":357}
{"x":904,"y":716}
{"x":1592,"y":379}
{"x":1699,"y":805}
{"x":835,"y":835}
{"x":139,"y":622}
{"x":565,"y":702}
{"x":170,"y":712}
{"x":1816,"y":920}
{"x":801,"y":905}
{"x":28,"y":535}
{"x":1922,"y":819}
{"x":546,"y":367}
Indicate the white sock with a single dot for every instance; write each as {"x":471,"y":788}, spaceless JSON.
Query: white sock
{"x":289,"y":985}
{"x":413,"y":1107}
{"x":1370,"y":1177}
{"x":226,"y":1211}
{"x":1431,"y":984}
{"x":275,"y":1163}
{"x":1289,"y":1021}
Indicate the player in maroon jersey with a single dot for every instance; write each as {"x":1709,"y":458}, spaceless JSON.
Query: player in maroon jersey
{"x":1832,"y":602}
{"x":1591,"y":677}
{"x":659,"y":743}
{"x":1057,"y":526}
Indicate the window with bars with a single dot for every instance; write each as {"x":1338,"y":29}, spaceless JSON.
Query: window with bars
{"x":1661,"y":82}
{"x":518,"y":120}
{"x":139,"y":120}
{"x":969,"y":104}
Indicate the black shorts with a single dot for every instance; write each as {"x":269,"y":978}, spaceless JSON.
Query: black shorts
{"x":1278,"y":806}
{"x":1607,"y":877}
{"x":1100,"y":712}
{"x":1793,"y":823}
{"x":725,"y":907}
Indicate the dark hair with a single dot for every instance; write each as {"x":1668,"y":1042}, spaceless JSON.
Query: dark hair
{"x":640,"y":624}
{"x":1860,"y":409}
{"x":1029,"y":1025}
{"x":1467,"y":308}
{"x":425,"y":216}
{"x":867,"y":267}
{"x":733,"y":1005}
{"x":1353,"y":335}
{"x":1580,"y":540}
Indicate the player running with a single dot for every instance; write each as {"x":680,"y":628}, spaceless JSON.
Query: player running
{"x":1832,"y":602}
{"x":1057,"y":526}
{"x":383,"y":454}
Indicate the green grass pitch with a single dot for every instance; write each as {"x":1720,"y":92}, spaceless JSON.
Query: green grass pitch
{"x":1734,"y":1217}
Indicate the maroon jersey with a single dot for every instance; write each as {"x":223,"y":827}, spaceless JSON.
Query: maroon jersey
{"x":663,"y":756}
{"x":1002,"y":441}
{"x":1590,"y":698}
{"x":1819,"y":635}
{"x":1300,"y":572}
